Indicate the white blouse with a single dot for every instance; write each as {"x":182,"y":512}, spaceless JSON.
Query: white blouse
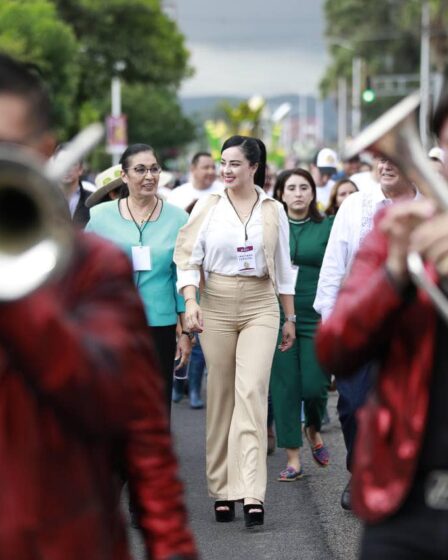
{"x":220,"y":235}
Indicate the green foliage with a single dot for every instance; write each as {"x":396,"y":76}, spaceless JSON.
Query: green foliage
{"x":135,"y":32}
{"x":31,"y":31}
{"x":245,"y":118}
{"x":386,"y":35}
{"x":155,"y":117}
{"x":77,"y":44}
{"x":137,"y":41}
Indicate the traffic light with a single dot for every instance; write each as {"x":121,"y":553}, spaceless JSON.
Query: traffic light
{"x":368,"y":94}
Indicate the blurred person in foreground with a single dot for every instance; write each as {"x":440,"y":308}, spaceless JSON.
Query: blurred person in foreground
{"x":400,"y":477}
{"x":77,"y":383}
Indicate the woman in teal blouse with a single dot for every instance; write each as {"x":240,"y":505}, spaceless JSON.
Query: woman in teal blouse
{"x":296,"y":375}
{"x":146,"y":228}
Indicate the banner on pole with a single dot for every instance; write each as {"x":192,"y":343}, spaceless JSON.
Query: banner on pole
{"x":116,"y":134}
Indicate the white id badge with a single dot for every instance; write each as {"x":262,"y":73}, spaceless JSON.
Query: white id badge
{"x":246,"y":258}
{"x":141,"y":257}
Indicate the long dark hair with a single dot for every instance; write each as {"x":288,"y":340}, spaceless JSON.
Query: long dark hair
{"x":332,"y":207}
{"x":254,"y":151}
{"x":279,"y":189}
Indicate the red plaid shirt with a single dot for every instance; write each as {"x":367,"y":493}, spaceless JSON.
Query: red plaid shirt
{"x":78,"y":387}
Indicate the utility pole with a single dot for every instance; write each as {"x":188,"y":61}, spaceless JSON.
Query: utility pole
{"x":342,"y":113}
{"x":425,"y":69}
{"x":116,"y":108}
{"x":356,"y":95}
{"x":320,"y":122}
{"x":303,"y":118}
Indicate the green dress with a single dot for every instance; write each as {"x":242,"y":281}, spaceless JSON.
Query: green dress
{"x":296,"y":374}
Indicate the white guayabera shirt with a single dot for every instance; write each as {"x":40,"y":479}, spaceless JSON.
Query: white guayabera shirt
{"x":352,"y":223}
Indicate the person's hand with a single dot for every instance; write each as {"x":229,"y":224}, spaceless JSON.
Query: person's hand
{"x":288,"y":336}
{"x":430,"y":240}
{"x":398,"y":225}
{"x":183,"y":351}
{"x":193,"y":316}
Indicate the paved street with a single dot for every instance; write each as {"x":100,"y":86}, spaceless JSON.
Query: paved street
{"x":303,"y":519}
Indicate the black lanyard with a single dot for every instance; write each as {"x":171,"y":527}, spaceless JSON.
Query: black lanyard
{"x":250,"y":215}
{"x":141,"y":229}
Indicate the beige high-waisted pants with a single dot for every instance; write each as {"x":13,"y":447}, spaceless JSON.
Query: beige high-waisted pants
{"x":241,"y":321}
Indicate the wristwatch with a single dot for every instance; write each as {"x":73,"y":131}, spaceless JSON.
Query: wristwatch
{"x":290,"y":318}
{"x":189,"y":334}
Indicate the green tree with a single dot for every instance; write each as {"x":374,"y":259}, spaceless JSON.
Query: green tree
{"x":155,"y":117}
{"x":135,"y":33}
{"x":386,"y":35}
{"x":32,"y":31}
{"x":137,"y":41}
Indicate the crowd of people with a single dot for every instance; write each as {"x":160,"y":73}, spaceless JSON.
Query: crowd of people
{"x":264,"y":282}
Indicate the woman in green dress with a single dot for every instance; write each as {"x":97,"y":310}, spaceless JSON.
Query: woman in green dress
{"x":296,"y":375}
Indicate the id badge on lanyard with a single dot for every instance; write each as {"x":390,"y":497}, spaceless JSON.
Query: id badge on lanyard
{"x":141,"y":258}
{"x":245,"y":258}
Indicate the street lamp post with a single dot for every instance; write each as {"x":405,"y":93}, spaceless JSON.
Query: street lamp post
{"x":342,"y":113}
{"x":116,"y":108}
{"x":356,"y":95}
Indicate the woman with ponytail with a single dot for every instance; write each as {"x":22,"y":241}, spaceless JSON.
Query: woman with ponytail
{"x":240,"y":239}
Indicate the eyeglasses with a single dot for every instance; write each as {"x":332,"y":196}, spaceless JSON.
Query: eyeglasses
{"x":142,"y":170}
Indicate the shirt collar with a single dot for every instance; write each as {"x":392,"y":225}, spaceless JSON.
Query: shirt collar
{"x":380,"y":200}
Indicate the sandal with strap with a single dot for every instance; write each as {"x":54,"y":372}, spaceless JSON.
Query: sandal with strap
{"x":319,"y":452}
{"x":321,"y":455}
{"x":253,"y":515}
{"x":224,"y":515}
{"x":290,"y":474}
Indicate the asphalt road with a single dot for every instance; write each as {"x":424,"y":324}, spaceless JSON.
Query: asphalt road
{"x":303,"y":519}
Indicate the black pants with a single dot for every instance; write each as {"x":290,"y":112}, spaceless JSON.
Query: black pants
{"x":165,"y":344}
{"x":416,"y":532}
{"x":353,"y":392}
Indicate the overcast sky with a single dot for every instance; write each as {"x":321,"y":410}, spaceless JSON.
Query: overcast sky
{"x":246,"y":47}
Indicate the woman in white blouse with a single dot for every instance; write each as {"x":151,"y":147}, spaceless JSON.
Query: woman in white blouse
{"x":240,"y":239}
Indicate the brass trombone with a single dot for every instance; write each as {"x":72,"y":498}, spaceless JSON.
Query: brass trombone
{"x":395,"y":136}
{"x":36,"y":234}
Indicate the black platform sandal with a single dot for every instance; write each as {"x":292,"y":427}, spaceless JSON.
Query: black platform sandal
{"x":224,"y":515}
{"x":255,"y":517}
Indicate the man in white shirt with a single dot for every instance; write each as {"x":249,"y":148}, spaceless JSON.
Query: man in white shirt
{"x":322,"y":172}
{"x":203,"y":182}
{"x":352,"y":223}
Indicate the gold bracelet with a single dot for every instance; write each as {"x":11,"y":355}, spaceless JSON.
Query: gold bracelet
{"x":188,"y":299}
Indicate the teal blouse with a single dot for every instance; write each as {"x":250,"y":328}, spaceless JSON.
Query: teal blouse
{"x":157,"y":286}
